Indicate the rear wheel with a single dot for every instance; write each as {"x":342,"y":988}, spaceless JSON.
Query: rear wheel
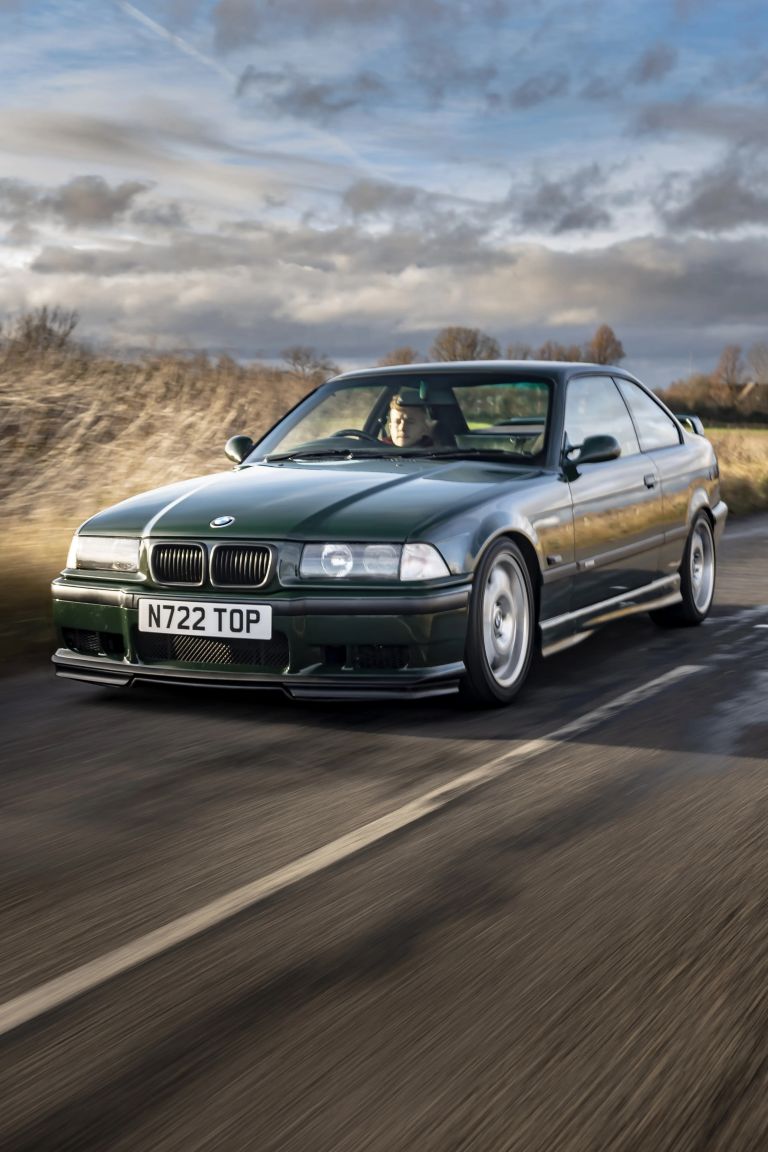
{"x":501,"y":626}
{"x":697,"y":579}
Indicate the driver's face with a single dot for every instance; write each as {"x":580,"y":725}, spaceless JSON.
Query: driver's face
{"x":407,"y":426}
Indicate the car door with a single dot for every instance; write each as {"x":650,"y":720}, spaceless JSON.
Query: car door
{"x":661,"y":441}
{"x":617,"y":504}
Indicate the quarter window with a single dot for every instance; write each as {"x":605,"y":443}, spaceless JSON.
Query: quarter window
{"x":654,"y":427}
{"x":593,"y":407}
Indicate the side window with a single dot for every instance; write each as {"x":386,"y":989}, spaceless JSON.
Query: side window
{"x":593,"y":407}
{"x":654,"y":427}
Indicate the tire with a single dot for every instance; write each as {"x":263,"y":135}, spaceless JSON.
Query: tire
{"x":697,"y":579}
{"x":501,"y":628}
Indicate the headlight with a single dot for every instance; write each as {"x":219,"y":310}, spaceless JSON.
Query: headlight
{"x":104,"y":553}
{"x":371,"y":562}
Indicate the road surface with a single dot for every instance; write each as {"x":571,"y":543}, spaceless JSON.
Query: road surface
{"x":229,"y":921}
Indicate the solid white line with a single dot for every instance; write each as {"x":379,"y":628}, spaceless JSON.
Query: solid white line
{"x":88,"y":976}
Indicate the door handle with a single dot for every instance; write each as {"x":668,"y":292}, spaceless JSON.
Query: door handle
{"x":649,"y":480}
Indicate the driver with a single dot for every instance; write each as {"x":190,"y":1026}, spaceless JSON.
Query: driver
{"x":409,"y":422}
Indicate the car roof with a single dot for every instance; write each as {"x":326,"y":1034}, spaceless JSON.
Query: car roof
{"x":560,"y":369}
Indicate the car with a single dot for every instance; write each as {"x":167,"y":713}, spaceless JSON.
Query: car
{"x":408,"y":531}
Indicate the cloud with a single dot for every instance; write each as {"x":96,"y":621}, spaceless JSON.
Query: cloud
{"x":736,"y":124}
{"x":436,"y":50}
{"x":377,"y":197}
{"x":167,"y":143}
{"x":651,"y":67}
{"x":601,"y":88}
{"x":168,"y":215}
{"x":728,"y":196}
{"x":352,"y":295}
{"x":163,"y":133}
{"x":20,"y":235}
{"x":316,"y":100}
{"x":655,"y":64}
{"x":83,"y":202}
{"x":238,"y":24}
{"x":571,"y":203}
{"x":87,"y":201}
{"x":16,"y":198}
{"x":539,"y":89}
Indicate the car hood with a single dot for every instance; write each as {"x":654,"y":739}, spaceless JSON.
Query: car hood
{"x":381,"y":499}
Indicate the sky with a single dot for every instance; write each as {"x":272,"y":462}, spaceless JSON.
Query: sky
{"x":240,"y":176}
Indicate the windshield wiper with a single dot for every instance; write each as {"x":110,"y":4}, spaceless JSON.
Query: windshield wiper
{"x":322,"y":453}
{"x":463,"y":453}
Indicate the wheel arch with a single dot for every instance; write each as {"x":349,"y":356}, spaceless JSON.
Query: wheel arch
{"x":700,"y":502}
{"x":530,"y":555}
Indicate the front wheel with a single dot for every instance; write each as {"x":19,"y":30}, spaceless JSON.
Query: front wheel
{"x":500,"y":631}
{"x":697,"y":579}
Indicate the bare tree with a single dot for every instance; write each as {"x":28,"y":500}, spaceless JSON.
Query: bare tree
{"x":519,"y":351}
{"x":757,"y":362}
{"x":730,"y":366}
{"x":403,"y":355}
{"x":552,"y":350}
{"x":457,"y":343}
{"x":42,"y":330}
{"x":604,"y":347}
{"x":308,"y":363}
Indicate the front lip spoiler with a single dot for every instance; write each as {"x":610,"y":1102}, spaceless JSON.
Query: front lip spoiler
{"x":441,"y":600}
{"x":441,"y":681}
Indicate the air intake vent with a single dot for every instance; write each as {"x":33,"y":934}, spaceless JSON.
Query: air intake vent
{"x":270,"y":655}
{"x":381,"y":656}
{"x":240,"y":565}
{"x":177,"y":563}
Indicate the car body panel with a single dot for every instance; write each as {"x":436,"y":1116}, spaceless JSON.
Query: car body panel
{"x":314,"y":500}
{"x":618,"y":527}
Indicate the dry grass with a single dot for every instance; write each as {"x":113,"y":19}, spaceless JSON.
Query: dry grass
{"x":743,"y":456}
{"x":79,"y":432}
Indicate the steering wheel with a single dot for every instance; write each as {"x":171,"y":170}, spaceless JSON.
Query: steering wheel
{"x":358,"y":434}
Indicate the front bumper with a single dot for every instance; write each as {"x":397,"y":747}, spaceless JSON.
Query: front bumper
{"x":377,"y":646}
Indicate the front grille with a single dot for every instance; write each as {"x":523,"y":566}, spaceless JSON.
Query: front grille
{"x":177,"y":563}
{"x":240,"y":565}
{"x":158,"y":649}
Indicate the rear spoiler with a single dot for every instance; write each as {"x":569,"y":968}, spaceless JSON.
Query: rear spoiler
{"x":691,"y":423}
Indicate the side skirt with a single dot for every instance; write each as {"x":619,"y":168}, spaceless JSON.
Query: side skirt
{"x":572,"y":627}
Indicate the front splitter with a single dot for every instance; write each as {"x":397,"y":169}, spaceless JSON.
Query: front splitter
{"x":441,"y":681}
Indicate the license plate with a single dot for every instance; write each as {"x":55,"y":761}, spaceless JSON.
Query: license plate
{"x":179,"y":617}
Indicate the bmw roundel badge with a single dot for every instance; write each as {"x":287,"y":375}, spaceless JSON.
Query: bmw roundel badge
{"x":222,"y":521}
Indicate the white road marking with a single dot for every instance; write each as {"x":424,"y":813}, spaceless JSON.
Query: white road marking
{"x":62,"y":989}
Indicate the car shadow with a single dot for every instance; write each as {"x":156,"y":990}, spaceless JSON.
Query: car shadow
{"x":614,"y":660}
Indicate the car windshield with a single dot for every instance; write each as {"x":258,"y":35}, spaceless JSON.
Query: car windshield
{"x":438,"y":414}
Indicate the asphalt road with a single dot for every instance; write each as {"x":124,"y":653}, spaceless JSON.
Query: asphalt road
{"x":567,"y":949}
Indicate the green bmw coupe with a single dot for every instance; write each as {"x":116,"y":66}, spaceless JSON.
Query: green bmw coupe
{"x":409,"y":531}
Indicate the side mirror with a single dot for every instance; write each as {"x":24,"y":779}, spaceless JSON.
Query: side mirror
{"x":595,"y":449}
{"x":691,"y":424}
{"x":238,"y":447}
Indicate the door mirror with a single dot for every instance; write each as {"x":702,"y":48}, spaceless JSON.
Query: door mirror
{"x":595,"y":449}
{"x":238,"y":447}
{"x":691,"y":424}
